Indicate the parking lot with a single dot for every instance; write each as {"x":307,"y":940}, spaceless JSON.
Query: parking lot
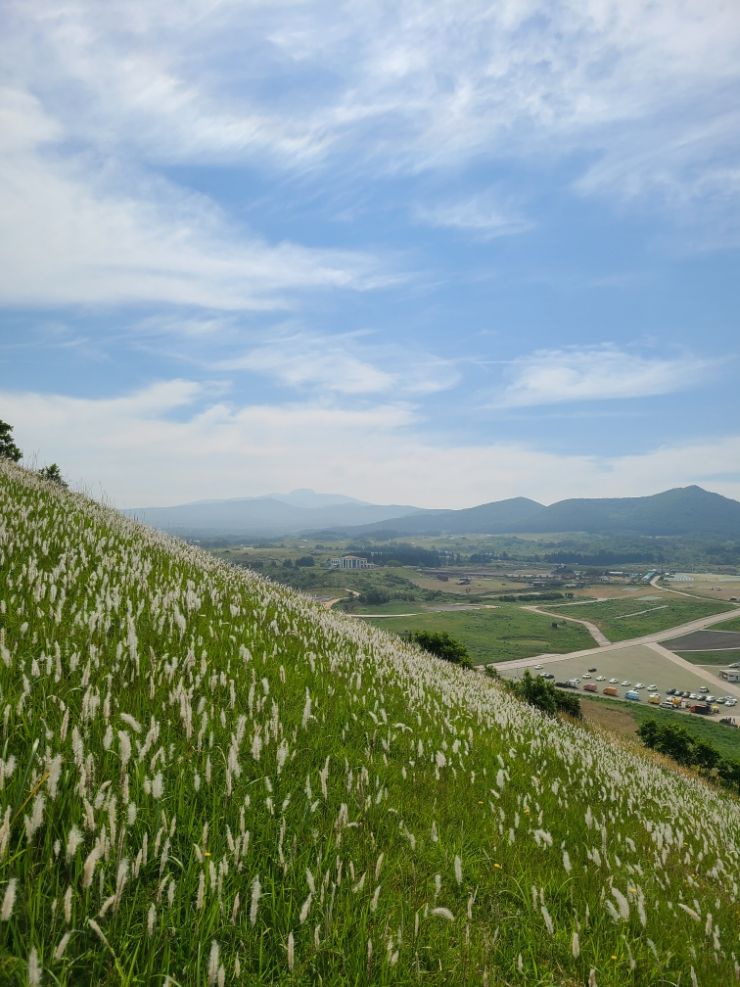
{"x":631,"y":664}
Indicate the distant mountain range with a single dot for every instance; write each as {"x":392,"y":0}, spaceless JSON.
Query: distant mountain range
{"x":267,"y":517}
{"x":686,"y":511}
{"x":683,"y":511}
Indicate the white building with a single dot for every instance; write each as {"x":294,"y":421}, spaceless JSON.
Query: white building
{"x":350,"y":562}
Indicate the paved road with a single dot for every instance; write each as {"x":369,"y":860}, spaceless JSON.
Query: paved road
{"x":729,"y":688}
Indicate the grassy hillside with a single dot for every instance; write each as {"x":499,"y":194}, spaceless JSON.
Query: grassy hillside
{"x":503,"y":634}
{"x":205,"y":779}
{"x":622,"y":619}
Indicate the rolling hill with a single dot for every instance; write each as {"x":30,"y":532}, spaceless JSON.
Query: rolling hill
{"x":207,"y":779}
{"x":689,"y":511}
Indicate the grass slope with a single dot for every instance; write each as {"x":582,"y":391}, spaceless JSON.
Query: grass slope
{"x":622,"y":619}
{"x":205,"y":779}
{"x":503,"y":634}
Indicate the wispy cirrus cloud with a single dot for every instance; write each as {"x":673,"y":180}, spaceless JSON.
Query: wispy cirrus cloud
{"x":86,"y":230}
{"x":343,"y":363}
{"x":596,"y":373}
{"x":413,"y":85}
{"x":481,"y":216}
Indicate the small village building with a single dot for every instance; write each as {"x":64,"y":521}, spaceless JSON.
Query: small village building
{"x":350,"y":562}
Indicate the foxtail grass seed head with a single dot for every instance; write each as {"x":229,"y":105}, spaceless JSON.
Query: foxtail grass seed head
{"x":8,"y":900}
{"x":34,"y":969}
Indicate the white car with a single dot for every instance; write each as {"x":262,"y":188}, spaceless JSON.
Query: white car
{"x":639,"y":685}
{"x":652,"y":687}
{"x":600,"y":678}
{"x":538,"y":667}
{"x":613,"y":681}
{"x":626,"y":682}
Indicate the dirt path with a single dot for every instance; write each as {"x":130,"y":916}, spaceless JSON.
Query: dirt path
{"x":598,"y":635}
{"x":338,"y":599}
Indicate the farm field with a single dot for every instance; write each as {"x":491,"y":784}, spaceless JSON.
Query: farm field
{"x":624,"y":718}
{"x":503,"y":634}
{"x":716,"y":586}
{"x":480,"y":584}
{"x":635,"y":664}
{"x":206,"y":778}
{"x":623,"y":619}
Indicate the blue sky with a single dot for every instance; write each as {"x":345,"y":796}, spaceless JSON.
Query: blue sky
{"x":425,"y":252}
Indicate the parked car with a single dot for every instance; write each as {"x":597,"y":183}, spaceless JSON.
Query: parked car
{"x":600,"y":678}
{"x":652,"y":686}
{"x":613,"y":681}
{"x":592,"y":669}
{"x":670,"y":692}
{"x":626,"y":682}
{"x":632,"y":696}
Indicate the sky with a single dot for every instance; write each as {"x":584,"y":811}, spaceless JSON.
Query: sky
{"x":434,"y":253}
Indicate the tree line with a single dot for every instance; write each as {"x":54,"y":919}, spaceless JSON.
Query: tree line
{"x":676,"y":742}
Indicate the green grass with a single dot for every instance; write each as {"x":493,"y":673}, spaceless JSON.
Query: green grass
{"x":711,"y":657}
{"x":205,"y":776}
{"x":391,"y":607}
{"x":615,"y":617}
{"x":503,"y":634}
{"x":724,"y":739}
{"x":730,"y":625}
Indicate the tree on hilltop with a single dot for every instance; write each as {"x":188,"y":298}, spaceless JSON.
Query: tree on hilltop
{"x":53,"y":474}
{"x":8,"y":448}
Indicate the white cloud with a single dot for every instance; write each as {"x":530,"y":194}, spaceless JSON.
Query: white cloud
{"x":344,"y":364}
{"x":79,"y":230}
{"x":147,"y":448}
{"x":482,"y":216}
{"x":411,"y":84}
{"x":596,"y":373}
